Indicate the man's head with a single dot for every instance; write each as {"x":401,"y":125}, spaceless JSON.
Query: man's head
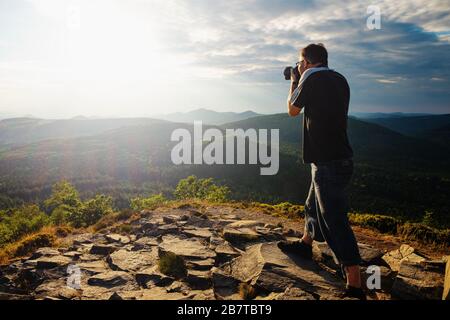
{"x":311,"y":56}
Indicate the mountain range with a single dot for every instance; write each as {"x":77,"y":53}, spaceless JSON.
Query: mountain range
{"x":394,"y":173}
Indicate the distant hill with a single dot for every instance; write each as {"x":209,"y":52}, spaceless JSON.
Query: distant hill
{"x":28,"y":130}
{"x":207,"y":116}
{"x":413,"y":126}
{"x":369,"y":141}
{"x":20,"y":131}
{"x":379,"y":115}
{"x":391,"y":169}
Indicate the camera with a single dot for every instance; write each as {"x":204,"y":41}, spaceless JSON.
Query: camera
{"x":287,"y":72}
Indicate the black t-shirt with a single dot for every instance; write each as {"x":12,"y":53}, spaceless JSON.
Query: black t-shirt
{"x":325,"y":96}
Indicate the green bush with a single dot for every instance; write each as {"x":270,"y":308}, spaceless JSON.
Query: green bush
{"x":67,"y":208}
{"x":18,"y":222}
{"x":384,"y":224}
{"x":172,"y":265}
{"x":284,"y":209}
{"x":421,"y":232}
{"x":63,"y":195}
{"x":91,"y":211}
{"x":147,"y":203}
{"x":205,"y":189}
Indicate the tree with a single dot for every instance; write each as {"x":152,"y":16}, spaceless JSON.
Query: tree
{"x":194,"y":188}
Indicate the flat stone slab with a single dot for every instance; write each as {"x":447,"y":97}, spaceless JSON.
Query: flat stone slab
{"x":405,"y":253}
{"x":102,"y":249}
{"x":52,"y":262}
{"x":110,"y":279}
{"x":198,"y":232}
{"x":419,"y":280}
{"x":266,"y":266}
{"x":151,"y":276}
{"x":117,"y":238}
{"x":125,"y":260}
{"x":245,"y":224}
{"x":189,"y":248}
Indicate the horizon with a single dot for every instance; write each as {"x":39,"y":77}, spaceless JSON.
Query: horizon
{"x":62,"y":59}
{"x":155,"y":116}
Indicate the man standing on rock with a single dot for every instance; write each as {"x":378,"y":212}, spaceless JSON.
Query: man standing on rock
{"x":324,"y":95}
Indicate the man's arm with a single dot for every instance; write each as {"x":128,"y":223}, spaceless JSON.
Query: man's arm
{"x":292,"y":109}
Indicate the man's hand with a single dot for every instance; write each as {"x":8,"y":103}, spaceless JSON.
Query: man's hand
{"x":295,"y":75}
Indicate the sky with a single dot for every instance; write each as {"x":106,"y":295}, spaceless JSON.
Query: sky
{"x":132,"y":58}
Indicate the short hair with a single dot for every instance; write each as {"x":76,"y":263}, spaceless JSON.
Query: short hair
{"x":315,"y":53}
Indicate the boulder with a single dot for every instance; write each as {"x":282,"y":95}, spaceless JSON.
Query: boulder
{"x":265,"y":266}
{"x":369,"y":254}
{"x":404,"y":253}
{"x":419,"y":280}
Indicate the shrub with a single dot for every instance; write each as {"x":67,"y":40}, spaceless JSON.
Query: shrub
{"x":384,"y":224}
{"x":94,"y":209}
{"x":284,"y":209}
{"x":172,"y":265}
{"x":421,"y":232}
{"x":205,"y":189}
{"x":31,"y":243}
{"x":147,"y":203}
{"x":21,"y":221}
{"x":63,"y":194}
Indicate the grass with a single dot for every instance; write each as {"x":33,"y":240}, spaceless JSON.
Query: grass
{"x":112,"y":219}
{"x":406,"y":230}
{"x":172,"y":265}
{"x":284,"y":209}
{"x":25,"y":246}
{"x":381,"y":223}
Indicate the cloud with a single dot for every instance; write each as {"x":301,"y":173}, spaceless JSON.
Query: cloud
{"x":245,"y":43}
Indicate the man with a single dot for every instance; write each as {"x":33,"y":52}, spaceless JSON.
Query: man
{"x":324,"y":95}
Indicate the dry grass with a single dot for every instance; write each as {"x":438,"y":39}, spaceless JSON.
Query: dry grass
{"x":47,"y":237}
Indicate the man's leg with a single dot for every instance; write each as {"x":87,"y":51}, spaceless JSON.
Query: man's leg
{"x":312,"y":229}
{"x":330,"y":183}
{"x":303,"y":248}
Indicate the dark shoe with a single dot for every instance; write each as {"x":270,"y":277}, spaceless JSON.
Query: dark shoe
{"x":352,"y":292}
{"x":299,"y":248}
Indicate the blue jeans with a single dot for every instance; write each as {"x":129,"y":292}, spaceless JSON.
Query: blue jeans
{"x":326,"y":210}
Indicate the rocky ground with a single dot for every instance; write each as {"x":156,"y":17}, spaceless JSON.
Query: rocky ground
{"x":229,"y":253}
